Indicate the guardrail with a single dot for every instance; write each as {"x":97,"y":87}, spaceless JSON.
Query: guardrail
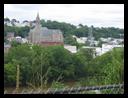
{"x":105,"y":89}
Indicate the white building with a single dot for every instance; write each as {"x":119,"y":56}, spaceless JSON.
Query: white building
{"x":105,"y":48}
{"x":81,"y":39}
{"x":24,"y":40}
{"x":6,"y":47}
{"x":84,"y":38}
{"x":117,"y":41}
{"x":114,"y":41}
{"x":20,"y":39}
{"x":108,"y":47}
{"x":106,"y":39}
{"x":74,"y":36}
{"x":98,"y":51}
{"x":70,"y":48}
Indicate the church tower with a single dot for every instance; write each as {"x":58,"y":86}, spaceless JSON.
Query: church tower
{"x":90,"y":39}
{"x":37,"y":30}
{"x":37,"y":19}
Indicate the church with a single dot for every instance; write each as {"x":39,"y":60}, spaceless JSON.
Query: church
{"x":44,"y":36}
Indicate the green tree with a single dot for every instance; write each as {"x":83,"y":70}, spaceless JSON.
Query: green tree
{"x":70,"y":40}
{"x":6,"y":19}
{"x":9,"y":74}
{"x":108,"y":68}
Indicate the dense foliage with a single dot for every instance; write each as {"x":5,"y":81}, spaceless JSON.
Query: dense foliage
{"x":107,"y":68}
{"x":82,"y":30}
{"x":46,"y":64}
{"x":18,"y":31}
{"x":68,"y":29}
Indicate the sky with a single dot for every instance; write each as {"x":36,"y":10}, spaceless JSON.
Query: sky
{"x":98,"y":15}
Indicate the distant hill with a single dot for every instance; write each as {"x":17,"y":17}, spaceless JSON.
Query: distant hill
{"x":67,"y":28}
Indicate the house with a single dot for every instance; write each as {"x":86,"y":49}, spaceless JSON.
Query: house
{"x":84,"y":38}
{"x":10,"y":36}
{"x":109,"y":47}
{"x":101,"y":50}
{"x":24,"y":40}
{"x":18,"y":39}
{"x":6,"y":47}
{"x":81,"y":39}
{"x":70,"y":48}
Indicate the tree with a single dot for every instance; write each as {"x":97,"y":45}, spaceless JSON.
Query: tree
{"x":22,"y":54}
{"x":23,"y":31}
{"x":15,"y":43}
{"x":18,"y":31}
{"x":6,"y":19}
{"x":70,"y":40}
{"x":46,"y":64}
{"x":108,"y":68}
{"x":80,"y":25}
{"x":9,"y":74}
{"x":67,"y":29}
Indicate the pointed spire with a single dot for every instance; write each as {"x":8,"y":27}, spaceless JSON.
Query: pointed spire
{"x":37,"y":19}
{"x":91,"y":33}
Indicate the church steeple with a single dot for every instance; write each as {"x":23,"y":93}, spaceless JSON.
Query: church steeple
{"x":37,"y":19}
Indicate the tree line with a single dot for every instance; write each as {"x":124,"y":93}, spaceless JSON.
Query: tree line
{"x":69,"y":29}
{"x":46,"y":64}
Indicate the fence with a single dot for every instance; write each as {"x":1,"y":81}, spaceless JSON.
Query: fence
{"x":106,"y":89}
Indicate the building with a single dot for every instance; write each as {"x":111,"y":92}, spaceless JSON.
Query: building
{"x":81,"y":39}
{"x":10,"y":36}
{"x":18,"y":39}
{"x":6,"y":47}
{"x":109,"y":47}
{"x":101,"y":50}
{"x":24,"y":40}
{"x":70,"y":48}
{"x":44,"y":36}
{"x":84,"y":38}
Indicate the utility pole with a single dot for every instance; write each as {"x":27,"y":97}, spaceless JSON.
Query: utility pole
{"x":17,"y":78}
{"x":41,"y":73}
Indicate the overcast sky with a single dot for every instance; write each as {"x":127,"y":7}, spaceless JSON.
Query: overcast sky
{"x":98,"y":15}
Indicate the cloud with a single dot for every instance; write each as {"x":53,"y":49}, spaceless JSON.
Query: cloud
{"x":87,"y":14}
